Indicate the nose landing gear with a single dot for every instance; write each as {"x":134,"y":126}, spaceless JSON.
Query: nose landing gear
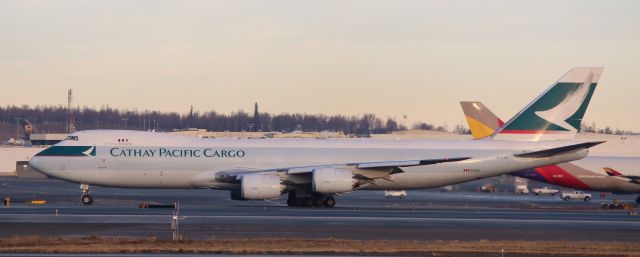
{"x":86,"y":197}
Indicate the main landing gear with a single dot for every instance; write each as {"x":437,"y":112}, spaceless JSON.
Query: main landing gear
{"x":310,"y":200}
{"x":86,"y":197}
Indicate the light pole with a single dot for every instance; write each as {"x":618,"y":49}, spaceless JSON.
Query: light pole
{"x":17,"y":127}
{"x":405,"y":121}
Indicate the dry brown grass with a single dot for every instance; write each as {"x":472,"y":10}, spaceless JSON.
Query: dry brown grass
{"x":94,"y":244}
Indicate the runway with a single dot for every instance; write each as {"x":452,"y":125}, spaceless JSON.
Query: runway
{"x":423,"y":215}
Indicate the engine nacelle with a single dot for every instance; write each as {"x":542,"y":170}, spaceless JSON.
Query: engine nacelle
{"x":260,"y":187}
{"x":330,"y":181}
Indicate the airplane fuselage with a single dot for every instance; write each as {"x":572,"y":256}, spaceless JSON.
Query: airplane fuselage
{"x":138,"y":159}
{"x":588,"y":174}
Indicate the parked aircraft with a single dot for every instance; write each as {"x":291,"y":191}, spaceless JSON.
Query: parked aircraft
{"x":311,"y":172}
{"x":620,"y":175}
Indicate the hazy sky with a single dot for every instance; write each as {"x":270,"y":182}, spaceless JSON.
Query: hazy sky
{"x":391,"y":58}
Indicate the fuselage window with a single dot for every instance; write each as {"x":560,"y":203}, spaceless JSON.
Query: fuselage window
{"x":119,"y":139}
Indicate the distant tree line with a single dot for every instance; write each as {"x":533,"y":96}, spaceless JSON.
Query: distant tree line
{"x":54,"y":118}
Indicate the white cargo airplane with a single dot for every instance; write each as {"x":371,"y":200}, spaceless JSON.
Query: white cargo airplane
{"x":313,"y":171}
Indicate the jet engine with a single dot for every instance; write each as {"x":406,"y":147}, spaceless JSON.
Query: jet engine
{"x":330,"y":181}
{"x":260,"y":187}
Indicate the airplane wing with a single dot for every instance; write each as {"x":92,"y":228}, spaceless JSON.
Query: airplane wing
{"x":368,"y":172}
{"x":614,"y":173}
{"x":558,"y":150}
{"x":362,"y":170}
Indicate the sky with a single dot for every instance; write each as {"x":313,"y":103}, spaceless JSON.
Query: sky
{"x":391,"y":58}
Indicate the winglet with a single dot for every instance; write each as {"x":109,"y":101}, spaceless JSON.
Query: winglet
{"x":557,"y":113}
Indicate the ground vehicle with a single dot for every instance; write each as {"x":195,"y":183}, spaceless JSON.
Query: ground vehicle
{"x":488,"y":188}
{"x":575,"y":195}
{"x":400,"y":194}
{"x":545,"y":190}
{"x":616,"y":205}
{"x":522,"y":189}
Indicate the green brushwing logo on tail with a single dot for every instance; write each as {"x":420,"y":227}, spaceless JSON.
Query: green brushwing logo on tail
{"x":74,"y":151}
{"x":559,"y":109}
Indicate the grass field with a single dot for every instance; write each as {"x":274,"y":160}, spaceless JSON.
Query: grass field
{"x":95,"y":244}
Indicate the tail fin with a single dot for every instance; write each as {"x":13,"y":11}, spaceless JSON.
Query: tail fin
{"x":482,"y":122}
{"x":612,"y":172}
{"x":557,"y":113}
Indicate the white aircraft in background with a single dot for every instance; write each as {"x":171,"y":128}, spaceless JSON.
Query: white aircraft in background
{"x":312,"y":171}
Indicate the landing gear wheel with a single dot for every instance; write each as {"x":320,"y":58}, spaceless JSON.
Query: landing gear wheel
{"x":308,"y":202}
{"x":329,"y":202}
{"x":318,"y":202}
{"x":86,"y":199}
{"x":586,"y":199}
{"x":86,"y":195}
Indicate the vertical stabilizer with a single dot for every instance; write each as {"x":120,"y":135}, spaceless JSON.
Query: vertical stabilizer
{"x":482,"y":122}
{"x":557,"y":113}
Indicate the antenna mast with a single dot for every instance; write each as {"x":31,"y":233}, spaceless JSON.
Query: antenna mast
{"x":70,"y":121}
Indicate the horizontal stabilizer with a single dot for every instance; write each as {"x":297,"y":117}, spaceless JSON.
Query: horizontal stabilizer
{"x":558,"y":150}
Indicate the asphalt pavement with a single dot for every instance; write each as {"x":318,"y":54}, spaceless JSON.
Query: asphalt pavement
{"x":423,"y":215}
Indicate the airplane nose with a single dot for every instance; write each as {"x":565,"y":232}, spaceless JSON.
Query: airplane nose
{"x":36,"y":163}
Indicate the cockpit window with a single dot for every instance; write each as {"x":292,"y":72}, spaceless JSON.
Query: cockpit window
{"x":74,"y":138}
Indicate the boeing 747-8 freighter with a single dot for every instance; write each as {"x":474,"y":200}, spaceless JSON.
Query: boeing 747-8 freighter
{"x":311,"y":172}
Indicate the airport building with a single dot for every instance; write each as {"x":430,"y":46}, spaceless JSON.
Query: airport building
{"x":46,"y":139}
{"x":15,"y":161}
